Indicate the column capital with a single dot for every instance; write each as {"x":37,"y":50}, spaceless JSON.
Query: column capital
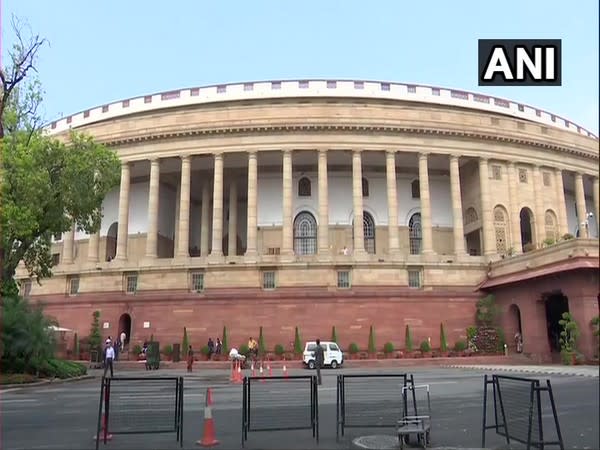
{"x":484,"y":159}
{"x":455,"y":156}
{"x":252,"y":154}
{"x":154,"y":160}
{"x":391,"y":153}
{"x":356,"y":152}
{"x":185,"y":158}
{"x":323,"y":151}
{"x":286,"y":152}
{"x":218,"y":156}
{"x":423,"y":155}
{"x":558,"y":170}
{"x":512,"y":164}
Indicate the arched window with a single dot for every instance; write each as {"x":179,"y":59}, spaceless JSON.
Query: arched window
{"x":500,"y":219}
{"x":470,"y":216}
{"x":550,"y":225}
{"x":304,"y":187}
{"x":414,"y":232}
{"x":111,"y":241}
{"x":365,"y":187}
{"x":415,"y":187}
{"x":305,"y":234}
{"x":369,"y":232}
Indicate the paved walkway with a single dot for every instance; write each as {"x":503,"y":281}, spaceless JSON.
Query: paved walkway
{"x":582,"y":371}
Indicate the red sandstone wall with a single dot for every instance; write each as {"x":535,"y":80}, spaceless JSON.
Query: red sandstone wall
{"x":243,"y":312}
{"x":581,"y":288}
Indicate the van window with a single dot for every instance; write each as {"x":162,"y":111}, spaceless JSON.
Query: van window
{"x":311,"y":347}
{"x":334,"y":347}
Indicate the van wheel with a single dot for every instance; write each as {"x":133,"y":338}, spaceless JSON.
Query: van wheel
{"x":334,"y":364}
{"x":311,"y":365}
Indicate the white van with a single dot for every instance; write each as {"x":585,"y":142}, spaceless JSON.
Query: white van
{"x":333,"y":355}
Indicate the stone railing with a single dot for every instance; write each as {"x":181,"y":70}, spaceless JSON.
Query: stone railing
{"x":314,"y":88}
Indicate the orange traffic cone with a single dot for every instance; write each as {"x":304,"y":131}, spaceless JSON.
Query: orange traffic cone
{"x":262,"y":375}
{"x":103,"y":430}
{"x":285,"y":372}
{"x":233,"y":376}
{"x":209,"y":438}
{"x":238,"y":378}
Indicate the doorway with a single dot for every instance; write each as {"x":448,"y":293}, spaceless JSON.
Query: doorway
{"x":556,"y":304}
{"x":125,"y":325}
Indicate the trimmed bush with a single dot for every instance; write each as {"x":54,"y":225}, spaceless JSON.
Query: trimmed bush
{"x":244,"y":350}
{"x":425,"y":347}
{"x":443,"y":342}
{"x":408,"y":339}
{"x":388,"y":348}
{"x":297,"y":342}
{"x":57,"y":368}
{"x":168,"y":350}
{"x":372,"y":348}
{"x":185,"y":345}
{"x":224,"y":342}
{"x":333,"y":335}
{"x":460,"y":346}
{"x":137,"y":349}
{"x":279,"y":350}
{"x":262,"y":349}
{"x":353,"y":348}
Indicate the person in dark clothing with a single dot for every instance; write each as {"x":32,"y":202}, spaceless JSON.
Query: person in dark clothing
{"x":319,"y":355}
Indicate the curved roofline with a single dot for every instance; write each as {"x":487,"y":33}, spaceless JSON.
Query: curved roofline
{"x":311,"y":88}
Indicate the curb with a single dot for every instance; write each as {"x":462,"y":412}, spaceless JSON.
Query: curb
{"x":526,"y":370}
{"x":44,"y":382}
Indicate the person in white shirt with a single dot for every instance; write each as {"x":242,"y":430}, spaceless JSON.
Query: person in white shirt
{"x":123,"y":337}
{"x":109,"y":357}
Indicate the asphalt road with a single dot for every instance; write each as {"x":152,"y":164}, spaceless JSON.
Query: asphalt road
{"x":64,"y":416}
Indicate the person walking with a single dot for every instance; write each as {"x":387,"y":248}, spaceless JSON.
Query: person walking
{"x":319,"y":356}
{"x":108,"y":360}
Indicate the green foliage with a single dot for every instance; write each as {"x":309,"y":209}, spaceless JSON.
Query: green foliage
{"x":137,"y":349}
{"x":353,"y":348}
{"x":569,"y":334}
{"x":262,"y":348}
{"x":27,"y":342}
{"x":372,"y":348}
{"x":487,"y":310}
{"x":388,"y":348}
{"x":501,"y":339}
{"x":334,"y":337}
{"x":443,"y":341}
{"x":460,"y":346}
{"x":595,"y":322}
{"x":47,"y":187}
{"x":56,"y":368}
{"x":549,"y":241}
{"x":75,"y":346}
{"x":185,"y":345}
{"x":244,"y":350}
{"x":279,"y":350}
{"x":95,"y":339}
{"x":225,"y":342}
{"x":471,"y":333}
{"x":167,"y":350}
{"x":204,"y":350}
{"x":297,"y":342}
{"x":425,"y":347}
{"x":408,"y":343}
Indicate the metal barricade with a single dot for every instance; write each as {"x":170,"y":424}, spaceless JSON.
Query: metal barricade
{"x":520,"y":406}
{"x":280,"y":403}
{"x":139,"y":405}
{"x":372,"y":401}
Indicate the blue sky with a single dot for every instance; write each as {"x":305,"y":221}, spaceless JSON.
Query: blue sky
{"x":101,"y":51}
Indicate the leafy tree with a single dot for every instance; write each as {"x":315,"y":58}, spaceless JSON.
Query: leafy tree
{"x":334,"y":335}
{"x":27,"y":340}
{"x":443,"y":341}
{"x":95,"y":338}
{"x":224,"y":342}
{"x":185,"y":344}
{"x":372,"y":348}
{"x":487,"y":310}
{"x":408,"y":343}
{"x":47,"y":185}
{"x":297,"y":342}
{"x":262,"y":349}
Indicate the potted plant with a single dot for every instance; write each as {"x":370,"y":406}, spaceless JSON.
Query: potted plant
{"x":443,"y":341}
{"x":388,"y":349}
{"x":408,"y":343}
{"x":279,"y":351}
{"x":460,"y":347}
{"x":168,"y":352}
{"x":371,"y":347}
{"x":204,"y":351}
{"x":297,"y":344}
{"x":568,"y":339}
{"x":353,"y":350}
{"x":425,"y":348}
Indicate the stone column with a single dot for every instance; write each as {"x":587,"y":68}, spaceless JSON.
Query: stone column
{"x":287,"y":236}
{"x":540,"y":212}
{"x":94,"y":247}
{"x":67,"y":253}
{"x":487,"y":218}
{"x":392,"y":203}
{"x":232,"y":232}
{"x":357,"y":198}
{"x":581,"y":207}
{"x":183,"y":245}
{"x":561,"y":213}
{"x":515,"y":209}
{"x":457,"y":214}
{"x":426,"y":231}
{"x":217,"y":229}
{"x":204,"y":219}
{"x":597,"y":205}
{"x":323,"y":205}
{"x":251,"y":221}
{"x":153,"y":199}
{"x":123,"y":230}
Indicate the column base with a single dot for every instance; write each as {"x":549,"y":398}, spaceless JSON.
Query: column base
{"x":251,"y":257}
{"x":216,"y":258}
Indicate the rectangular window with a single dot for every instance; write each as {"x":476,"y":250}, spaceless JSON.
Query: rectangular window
{"x":57,"y":237}
{"x":26,"y":288}
{"x":523,"y":175}
{"x":547,"y":179}
{"x":269,"y":280}
{"x":131,"y":281}
{"x":197,"y":282}
{"x":55,"y":259}
{"x":415,"y":278}
{"x":74,"y":286}
{"x":343,"y":279}
{"x":496,"y":172}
